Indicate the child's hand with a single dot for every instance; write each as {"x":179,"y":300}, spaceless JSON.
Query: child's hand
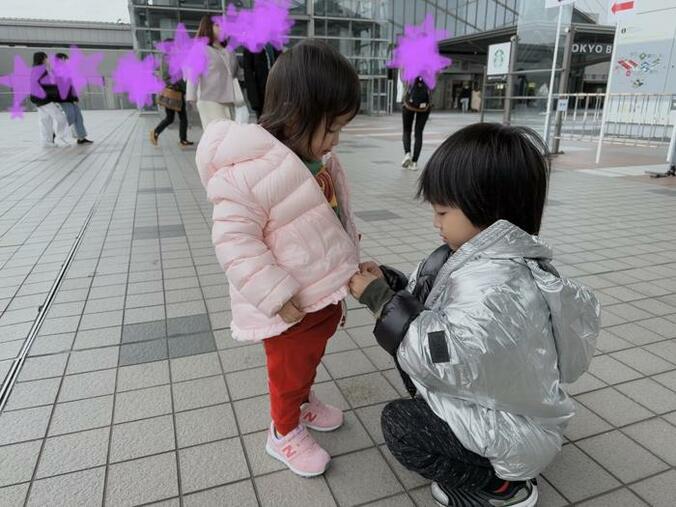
{"x":360,"y":281}
{"x":290,"y":313}
{"x":371,"y":267}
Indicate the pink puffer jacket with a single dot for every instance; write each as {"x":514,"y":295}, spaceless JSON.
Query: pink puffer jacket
{"x":274,"y":233}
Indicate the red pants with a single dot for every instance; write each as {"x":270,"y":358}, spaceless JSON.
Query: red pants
{"x":292,"y":360}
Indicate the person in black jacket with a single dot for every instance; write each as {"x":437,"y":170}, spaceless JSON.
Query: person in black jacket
{"x":49,"y":111}
{"x":256,"y":69}
{"x":70,"y":106}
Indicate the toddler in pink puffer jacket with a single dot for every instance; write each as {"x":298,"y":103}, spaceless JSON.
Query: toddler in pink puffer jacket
{"x":284,"y":234}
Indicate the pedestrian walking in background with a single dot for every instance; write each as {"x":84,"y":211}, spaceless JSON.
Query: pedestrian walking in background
{"x":53,"y":121}
{"x":71,"y":108}
{"x":256,"y":69}
{"x":415,"y":108}
{"x":214,"y":91}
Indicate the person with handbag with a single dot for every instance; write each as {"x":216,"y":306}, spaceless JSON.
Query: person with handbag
{"x":214,"y":92}
{"x":172,"y":99}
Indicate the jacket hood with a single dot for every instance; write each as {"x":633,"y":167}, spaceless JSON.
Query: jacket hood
{"x":575,"y":310}
{"x":226,"y":143}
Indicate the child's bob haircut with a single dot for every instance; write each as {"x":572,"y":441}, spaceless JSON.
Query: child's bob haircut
{"x":310,"y":83}
{"x":490,"y":172}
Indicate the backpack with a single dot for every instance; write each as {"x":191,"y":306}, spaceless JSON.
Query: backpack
{"x":418,"y":96}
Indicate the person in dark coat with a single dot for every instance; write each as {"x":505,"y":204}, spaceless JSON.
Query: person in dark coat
{"x":256,"y":69}
{"x":53,"y":122}
{"x":71,"y":107}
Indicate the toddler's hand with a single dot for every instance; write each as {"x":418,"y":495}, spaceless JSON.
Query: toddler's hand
{"x":359,"y":282}
{"x":371,"y":267}
{"x":290,"y":313}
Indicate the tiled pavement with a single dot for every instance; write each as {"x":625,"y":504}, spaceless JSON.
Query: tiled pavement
{"x":135,"y":393}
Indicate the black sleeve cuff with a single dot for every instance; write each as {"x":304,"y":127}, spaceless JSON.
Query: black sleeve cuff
{"x":394,"y":278}
{"x":376,"y":294}
{"x":395,"y":319}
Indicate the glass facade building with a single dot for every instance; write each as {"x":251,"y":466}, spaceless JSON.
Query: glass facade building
{"x":365,"y":31}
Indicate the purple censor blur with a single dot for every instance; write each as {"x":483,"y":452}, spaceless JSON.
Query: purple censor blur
{"x":77,"y":71}
{"x":186,"y":57}
{"x":137,"y":79}
{"x":267,"y":23}
{"x":417,"y":53}
{"x":24,"y":82}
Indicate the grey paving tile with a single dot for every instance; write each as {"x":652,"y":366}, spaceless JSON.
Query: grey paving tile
{"x":329,"y":393}
{"x":143,"y":403}
{"x":25,"y":424}
{"x":650,"y":394}
{"x":144,"y":331}
{"x":103,"y":319}
{"x":187,"y":325}
{"x":94,"y":359}
{"x":83,"y":488}
{"x":147,"y":313}
{"x":142,"y":438}
{"x":585,"y":424}
{"x":367,"y":389}
{"x":621,"y":456}
{"x":192,"y":367}
{"x":240,"y":493}
{"x":77,"y":451}
{"x":370,"y":419}
{"x":81,"y":415}
{"x":102,"y":337}
{"x":612,"y":371}
{"x":658,"y":491}
{"x":143,"y":352}
{"x":620,"y":498}
{"x":577,"y":477}
{"x":656,"y":435}
{"x":248,"y":383}
{"x":285,"y":489}
{"x":548,"y":495}
{"x":43,"y":367}
{"x":199,"y":393}
{"x":614,"y":407}
{"x":351,"y":436}
{"x":243,"y":358}
{"x":13,"y":495}
{"x":87,"y":385}
{"x":347,"y":364}
{"x":32,"y":394}
{"x":585,"y":383}
{"x":260,"y":461}
{"x":212,"y":464}
{"x":361,"y":477}
{"x":205,"y":425}
{"x":253,"y":414}
{"x":160,"y":480}
{"x":142,"y":375}
{"x":192,"y":344}
{"x":51,"y":344}
{"x":10,"y":350}
{"x":22,"y":458}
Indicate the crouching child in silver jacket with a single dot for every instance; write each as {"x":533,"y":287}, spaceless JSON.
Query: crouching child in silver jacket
{"x":486,"y":331}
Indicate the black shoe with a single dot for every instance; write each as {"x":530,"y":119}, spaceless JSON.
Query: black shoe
{"x":516,"y":494}
{"x":84,"y":141}
{"x":185,"y":142}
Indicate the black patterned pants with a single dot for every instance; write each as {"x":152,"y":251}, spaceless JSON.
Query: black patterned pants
{"x":425,"y":444}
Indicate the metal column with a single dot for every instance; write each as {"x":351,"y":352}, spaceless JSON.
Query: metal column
{"x":509,"y":91}
{"x":563,"y":86}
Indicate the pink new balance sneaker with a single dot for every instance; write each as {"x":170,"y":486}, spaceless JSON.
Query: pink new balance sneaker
{"x":318,"y":416}
{"x":299,"y":451}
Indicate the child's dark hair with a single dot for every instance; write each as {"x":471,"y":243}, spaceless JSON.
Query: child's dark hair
{"x":490,"y":172}
{"x":309,"y":83}
{"x":39,"y":58}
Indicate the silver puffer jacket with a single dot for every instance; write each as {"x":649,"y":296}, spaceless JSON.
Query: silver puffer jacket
{"x":500,"y":333}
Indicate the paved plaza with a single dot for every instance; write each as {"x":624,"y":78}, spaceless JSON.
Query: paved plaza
{"x":133,"y":391}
